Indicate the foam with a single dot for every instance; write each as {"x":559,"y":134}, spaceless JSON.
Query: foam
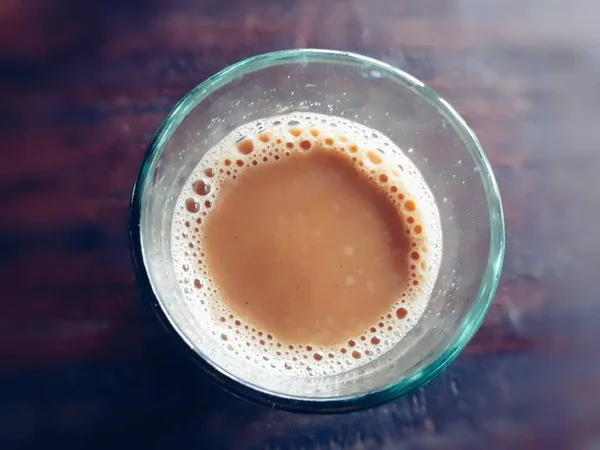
{"x":272,"y":139}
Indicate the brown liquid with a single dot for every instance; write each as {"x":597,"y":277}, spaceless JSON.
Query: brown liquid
{"x":308,"y":248}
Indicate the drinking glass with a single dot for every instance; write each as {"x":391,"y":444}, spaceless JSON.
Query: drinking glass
{"x":377,"y":95}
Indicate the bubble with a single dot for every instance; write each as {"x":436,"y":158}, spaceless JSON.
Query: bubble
{"x":401,"y":313}
{"x":200,"y":187}
{"x":356,"y":354}
{"x":375,"y":158}
{"x":245,"y":147}
{"x":295,"y":132}
{"x":197,"y":284}
{"x":192,"y":205}
{"x":418,"y":229}
{"x":410,"y":205}
{"x":414,"y":255}
{"x":305,"y":144}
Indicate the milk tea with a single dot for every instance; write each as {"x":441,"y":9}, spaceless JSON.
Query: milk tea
{"x":307,"y":244}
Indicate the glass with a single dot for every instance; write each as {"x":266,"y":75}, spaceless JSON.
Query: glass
{"x":379,"y":96}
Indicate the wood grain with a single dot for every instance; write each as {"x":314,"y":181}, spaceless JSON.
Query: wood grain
{"x":82,"y":363}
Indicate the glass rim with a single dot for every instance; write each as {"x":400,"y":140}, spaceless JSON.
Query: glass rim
{"x":477,"y":311}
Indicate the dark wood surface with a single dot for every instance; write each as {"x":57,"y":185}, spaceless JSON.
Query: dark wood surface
{"x":83,"y":85}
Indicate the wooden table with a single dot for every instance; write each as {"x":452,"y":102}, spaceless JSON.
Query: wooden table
{"x":83,"y":87}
